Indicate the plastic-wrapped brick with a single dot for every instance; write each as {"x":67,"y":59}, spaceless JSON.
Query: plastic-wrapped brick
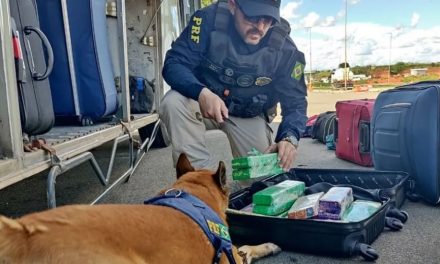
{"x":333,"y":204}
{"x":360,"y":210}
{"x":255,"y":166}
{"x":305,"y":206}
{"x":280,"y":193}
{"x":278,"y":198}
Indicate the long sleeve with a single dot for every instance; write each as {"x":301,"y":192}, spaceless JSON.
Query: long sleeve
{"x":187,"y":53}
{"x":293,"y":91}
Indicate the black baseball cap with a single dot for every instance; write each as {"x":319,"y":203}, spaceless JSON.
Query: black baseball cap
{"x":253,"y":8}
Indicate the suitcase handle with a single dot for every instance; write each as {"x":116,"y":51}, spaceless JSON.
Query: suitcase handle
{"x":364,"y":137}
{"x":35,"y":75}
{"x":335,"y":130}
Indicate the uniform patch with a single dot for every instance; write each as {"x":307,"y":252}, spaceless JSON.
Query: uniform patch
{"x":245,"y":80}
{"x":195,"y":29}
{"x":298,"y":71}
{"x":261,"y":81}
{"x":219,"y":230}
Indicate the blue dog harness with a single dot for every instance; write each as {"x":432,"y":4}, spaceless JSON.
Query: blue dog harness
{"x":203,"y":215}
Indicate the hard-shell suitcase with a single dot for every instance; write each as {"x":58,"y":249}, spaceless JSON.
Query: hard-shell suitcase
{"x":82,"y":81}
{"x":353,"y":130}
{"x":36,"y":111}
{"x":322,"y":237}
{"x":405,"y":135}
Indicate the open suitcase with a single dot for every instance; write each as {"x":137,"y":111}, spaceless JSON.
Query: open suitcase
{"x":353,"y":130}
{"x":36,"y":112}
{"x":405,"y":135}
{"x":323,"y":237}
{"x":82,"y":82}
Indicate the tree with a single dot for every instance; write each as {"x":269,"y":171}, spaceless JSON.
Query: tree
{"x":344,"y":65}
{"x":399,"y":67}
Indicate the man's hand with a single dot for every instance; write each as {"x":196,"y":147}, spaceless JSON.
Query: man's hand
{"x":212,"y":106}
{"x":286,"y":153}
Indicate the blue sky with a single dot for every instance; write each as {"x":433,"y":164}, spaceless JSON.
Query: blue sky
{"x":378,"y":31}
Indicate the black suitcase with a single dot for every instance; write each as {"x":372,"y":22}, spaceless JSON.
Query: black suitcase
{"x":323,"y":237}
{"x":36,"y":111}
{"x":405,"y":132}
{"x":324,"y":126}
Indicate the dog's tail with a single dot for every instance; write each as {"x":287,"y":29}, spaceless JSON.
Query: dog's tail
{"x":14,"y":237}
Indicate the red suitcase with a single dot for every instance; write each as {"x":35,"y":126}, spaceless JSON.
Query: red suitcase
{"x":353,"y":130}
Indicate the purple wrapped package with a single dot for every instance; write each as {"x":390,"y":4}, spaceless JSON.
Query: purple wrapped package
{"x":334,"y":203}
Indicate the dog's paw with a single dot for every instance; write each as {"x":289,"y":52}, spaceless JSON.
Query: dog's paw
{"x":272,"y":248}
{"x":250,"y":253}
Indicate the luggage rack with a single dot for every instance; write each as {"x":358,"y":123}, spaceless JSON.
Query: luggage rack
{"x":67,"y":147}
{"x":72,"y":147}
{"x":61,"y":134}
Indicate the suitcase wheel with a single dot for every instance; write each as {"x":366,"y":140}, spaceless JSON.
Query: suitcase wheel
{"x":393,"y":223}
{"x":412,"y":197}
{"x":396,"y":213}
{"x":86,"y":121}
{"x":366,"y":251}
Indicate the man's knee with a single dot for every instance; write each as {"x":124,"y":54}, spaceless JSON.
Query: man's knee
{"x":171,"y":102}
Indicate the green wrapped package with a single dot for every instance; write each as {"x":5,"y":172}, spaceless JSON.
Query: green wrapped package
{"x":250,"y":209}
{"x":258,"y":160}
{"x":284,"y":192}
{"x":283,"y":214}
{"x":272,"y":210}
{"x":255,"y":166}
{"x":360,"y":210}
{"x":255,"y":172}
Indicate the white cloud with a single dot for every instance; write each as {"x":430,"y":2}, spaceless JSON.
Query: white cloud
{"x":328,"y":21}
{"x":289,"y":11}
{"x":340,"y":14}
{"x":311,"y":20}
{"x":365,"y":47}
{"x":369,"y":44}
{"x":415,"y":19}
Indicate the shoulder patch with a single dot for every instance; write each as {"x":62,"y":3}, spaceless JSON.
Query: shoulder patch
{"x":298,"y":71}
{"x":195,"y":28}
{"x":199,"y":28}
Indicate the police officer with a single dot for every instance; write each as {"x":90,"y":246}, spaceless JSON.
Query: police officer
{"x":228,"y":69}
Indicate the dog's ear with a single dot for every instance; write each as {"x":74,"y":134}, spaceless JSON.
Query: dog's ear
{"x":220,"y":175}
{"x":183,"y":165}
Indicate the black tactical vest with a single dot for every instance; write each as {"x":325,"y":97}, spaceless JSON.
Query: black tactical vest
{"x":244,"y":82}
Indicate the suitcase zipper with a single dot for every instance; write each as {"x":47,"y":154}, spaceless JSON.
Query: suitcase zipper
{"x":396,"y":105}
{"x":416,"y":86}
{"x":29,"y":54}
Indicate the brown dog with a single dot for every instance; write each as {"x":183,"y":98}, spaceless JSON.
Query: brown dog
{"x":125,"y":233}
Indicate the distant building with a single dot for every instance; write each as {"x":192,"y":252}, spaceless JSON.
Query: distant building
{"x":418,"y":72}
{"x":325,"y":80}
{"x":360,"y":77}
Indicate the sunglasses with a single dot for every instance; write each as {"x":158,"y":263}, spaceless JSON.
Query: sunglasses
{"x":266,"y":20}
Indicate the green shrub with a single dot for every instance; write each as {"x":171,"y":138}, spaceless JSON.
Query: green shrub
{"x":411,"y":79}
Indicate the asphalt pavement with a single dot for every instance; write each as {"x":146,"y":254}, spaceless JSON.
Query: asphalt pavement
{"x":417,"y":242}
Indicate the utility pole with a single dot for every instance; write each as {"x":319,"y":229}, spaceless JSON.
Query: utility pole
{"x":345,"y":47}
{"x":389,"y":58}
{"x":310,"y":61}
